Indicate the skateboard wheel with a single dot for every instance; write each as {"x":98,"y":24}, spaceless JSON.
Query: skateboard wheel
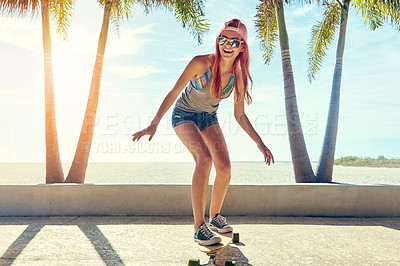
{"x":235,"y":238}
{"x":230,"y":263}
{"x":194,"y":262}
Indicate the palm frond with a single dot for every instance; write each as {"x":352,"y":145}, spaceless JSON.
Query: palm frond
{"x":267,"y":28}
{"x":121,"y":10}
{"x":19,"y":7}
{"x":191,"y":15}
{"x":391,"y":4}
{"x":375,"y":13}
{"x":61,"y":14}
{"x":322,"y":36}
{"x":150,"y":5}
{"x":393,"y":17}
{"x":390,"y":12}
{"x":301,"y":2}
{"x":189,"y":12}
{"x":371,"y":12}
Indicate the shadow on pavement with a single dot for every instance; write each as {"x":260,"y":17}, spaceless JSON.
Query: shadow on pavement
{"x":101,"y":244}
{"x":91,"y":231}
{"x":232,"y":253}
{"x":19,"y":244}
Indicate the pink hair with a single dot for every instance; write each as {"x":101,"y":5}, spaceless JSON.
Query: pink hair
{"x":241,"y":71}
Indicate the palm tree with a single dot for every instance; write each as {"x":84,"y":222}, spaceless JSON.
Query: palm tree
{"x":190,"y":14}
{"x":374,"y":13}
{"x":61,"y":12}
{"x":270,"y":25}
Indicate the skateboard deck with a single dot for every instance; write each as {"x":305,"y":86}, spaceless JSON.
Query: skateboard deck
{"x":225,"y":240}
{"x":212,"y":250}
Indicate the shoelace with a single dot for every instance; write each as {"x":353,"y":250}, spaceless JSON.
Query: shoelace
{"x":206,"y":232}
{"x":220,"y":220}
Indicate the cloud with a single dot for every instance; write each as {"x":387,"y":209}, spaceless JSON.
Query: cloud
{"x":132,"y":72}
{"x":129,"y":41}
{"x":20,"y":99}
{"x":301,"y":11}
{"x":180,"y":59}
{"x":25,"y":33}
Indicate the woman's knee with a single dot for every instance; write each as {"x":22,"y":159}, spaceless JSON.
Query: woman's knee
{"x":223,"y":168}
{"x":203,"y":160}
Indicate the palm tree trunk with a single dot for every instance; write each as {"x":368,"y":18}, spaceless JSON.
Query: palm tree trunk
{"x":327,"y":158}
{"x":301,"y":163}
{"x":54,"y":173}
{"x":79,"y":164}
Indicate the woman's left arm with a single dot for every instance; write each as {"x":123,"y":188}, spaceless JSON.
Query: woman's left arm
{"x":244,"y":122}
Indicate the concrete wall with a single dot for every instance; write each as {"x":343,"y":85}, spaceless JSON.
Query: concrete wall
{"x":267,"y":200}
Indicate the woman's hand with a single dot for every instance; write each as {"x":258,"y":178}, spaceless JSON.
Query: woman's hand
{"x":267,"y":154}
{"x":150,"y":130}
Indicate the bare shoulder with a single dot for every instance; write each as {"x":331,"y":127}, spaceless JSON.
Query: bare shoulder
{"x":204,"y":60}
{"x":201,"y":63}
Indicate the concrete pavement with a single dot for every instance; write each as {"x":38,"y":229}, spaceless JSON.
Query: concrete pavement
{"x":167,"y":240}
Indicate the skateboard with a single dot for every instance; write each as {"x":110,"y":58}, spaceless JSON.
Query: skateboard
{"x":212,"y":250}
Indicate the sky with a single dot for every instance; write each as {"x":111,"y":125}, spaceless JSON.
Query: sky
{"x":146,"y":57}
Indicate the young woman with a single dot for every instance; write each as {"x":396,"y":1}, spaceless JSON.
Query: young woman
{"x":207,"y":80}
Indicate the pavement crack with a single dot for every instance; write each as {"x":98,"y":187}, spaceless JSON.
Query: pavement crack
{"x":73,"y":219}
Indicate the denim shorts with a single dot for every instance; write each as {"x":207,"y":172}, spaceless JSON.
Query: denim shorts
{"x":202,"y":120}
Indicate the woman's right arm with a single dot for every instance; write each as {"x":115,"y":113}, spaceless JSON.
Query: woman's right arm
{"x":195,"y":66}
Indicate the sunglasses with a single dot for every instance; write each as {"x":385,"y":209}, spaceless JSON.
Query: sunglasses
{"x":234,"y":43}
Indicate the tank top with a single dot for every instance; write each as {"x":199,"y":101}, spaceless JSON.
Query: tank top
{"x":197,"y":96}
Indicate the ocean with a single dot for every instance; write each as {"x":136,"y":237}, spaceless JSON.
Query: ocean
{"x":243,"y":173}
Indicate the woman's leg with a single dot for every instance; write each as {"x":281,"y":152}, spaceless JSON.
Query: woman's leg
{"x":219,"y":151}
{"x":191,"y":137}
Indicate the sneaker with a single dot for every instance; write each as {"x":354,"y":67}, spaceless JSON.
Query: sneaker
{"x":218,"y":224}
{"x":205,"y":237}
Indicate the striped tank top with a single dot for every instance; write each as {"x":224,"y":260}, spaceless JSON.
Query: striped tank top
{"x":197,"y":96}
